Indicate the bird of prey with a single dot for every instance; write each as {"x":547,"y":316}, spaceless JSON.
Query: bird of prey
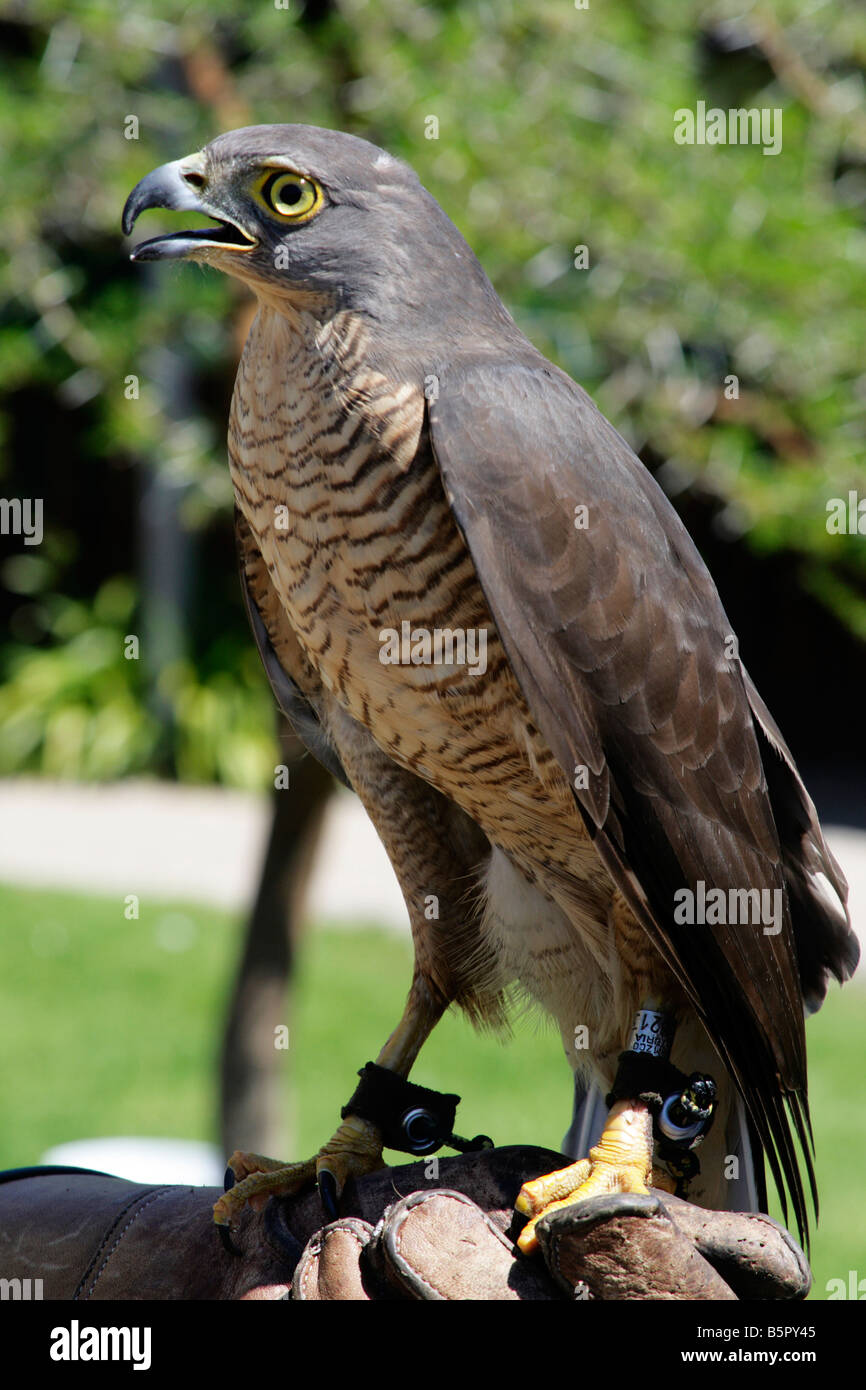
{"x":477,"y":607}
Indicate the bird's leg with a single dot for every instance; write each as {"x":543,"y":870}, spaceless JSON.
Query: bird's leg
{"x":356,"y":1146}
{"x":647,"y":1091}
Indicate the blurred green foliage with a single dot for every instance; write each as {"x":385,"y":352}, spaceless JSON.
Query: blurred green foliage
{"x":555,"y":131}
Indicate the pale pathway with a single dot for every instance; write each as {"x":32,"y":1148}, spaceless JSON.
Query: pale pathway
{"x":204,"y":844}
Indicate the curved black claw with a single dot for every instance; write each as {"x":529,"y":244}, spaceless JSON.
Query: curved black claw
{"x":328,"y":1194}
{"x":227,"y":1242}
{"x":470,"y":1146}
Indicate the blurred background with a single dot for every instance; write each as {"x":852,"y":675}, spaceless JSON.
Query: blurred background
{"x":156,"y":892}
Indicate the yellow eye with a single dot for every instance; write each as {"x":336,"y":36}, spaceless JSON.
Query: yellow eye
{"x":290,"y":195}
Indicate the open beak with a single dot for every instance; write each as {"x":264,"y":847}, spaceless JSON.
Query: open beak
{"x":181,"y":186}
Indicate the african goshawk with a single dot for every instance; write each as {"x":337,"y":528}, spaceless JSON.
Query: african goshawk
{"x":477,"y":606}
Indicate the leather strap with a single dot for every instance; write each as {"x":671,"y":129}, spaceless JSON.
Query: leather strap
{"x":412,"y":1119}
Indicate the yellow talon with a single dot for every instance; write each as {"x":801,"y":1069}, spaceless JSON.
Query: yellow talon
{"x":535,"y":1196}
{"x":621,"y":1161}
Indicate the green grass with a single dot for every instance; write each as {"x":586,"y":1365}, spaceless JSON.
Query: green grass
{"x":112,"y":1026}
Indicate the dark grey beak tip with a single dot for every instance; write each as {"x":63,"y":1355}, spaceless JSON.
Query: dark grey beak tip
{"x":130,"y":212}
{"x":147,"y":251}
{"x":162,"y":188}
{"x":150,"y":192}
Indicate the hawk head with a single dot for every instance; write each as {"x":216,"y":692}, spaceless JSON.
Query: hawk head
{"x":317,"y":218}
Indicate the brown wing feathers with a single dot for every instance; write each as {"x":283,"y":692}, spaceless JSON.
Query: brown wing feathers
{"x":617,"y":635}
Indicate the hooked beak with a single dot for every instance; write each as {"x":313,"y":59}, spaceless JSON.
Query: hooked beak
{"x":181,"y":186}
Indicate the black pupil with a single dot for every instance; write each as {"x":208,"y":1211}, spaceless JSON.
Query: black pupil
{"x":289,"y":193}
